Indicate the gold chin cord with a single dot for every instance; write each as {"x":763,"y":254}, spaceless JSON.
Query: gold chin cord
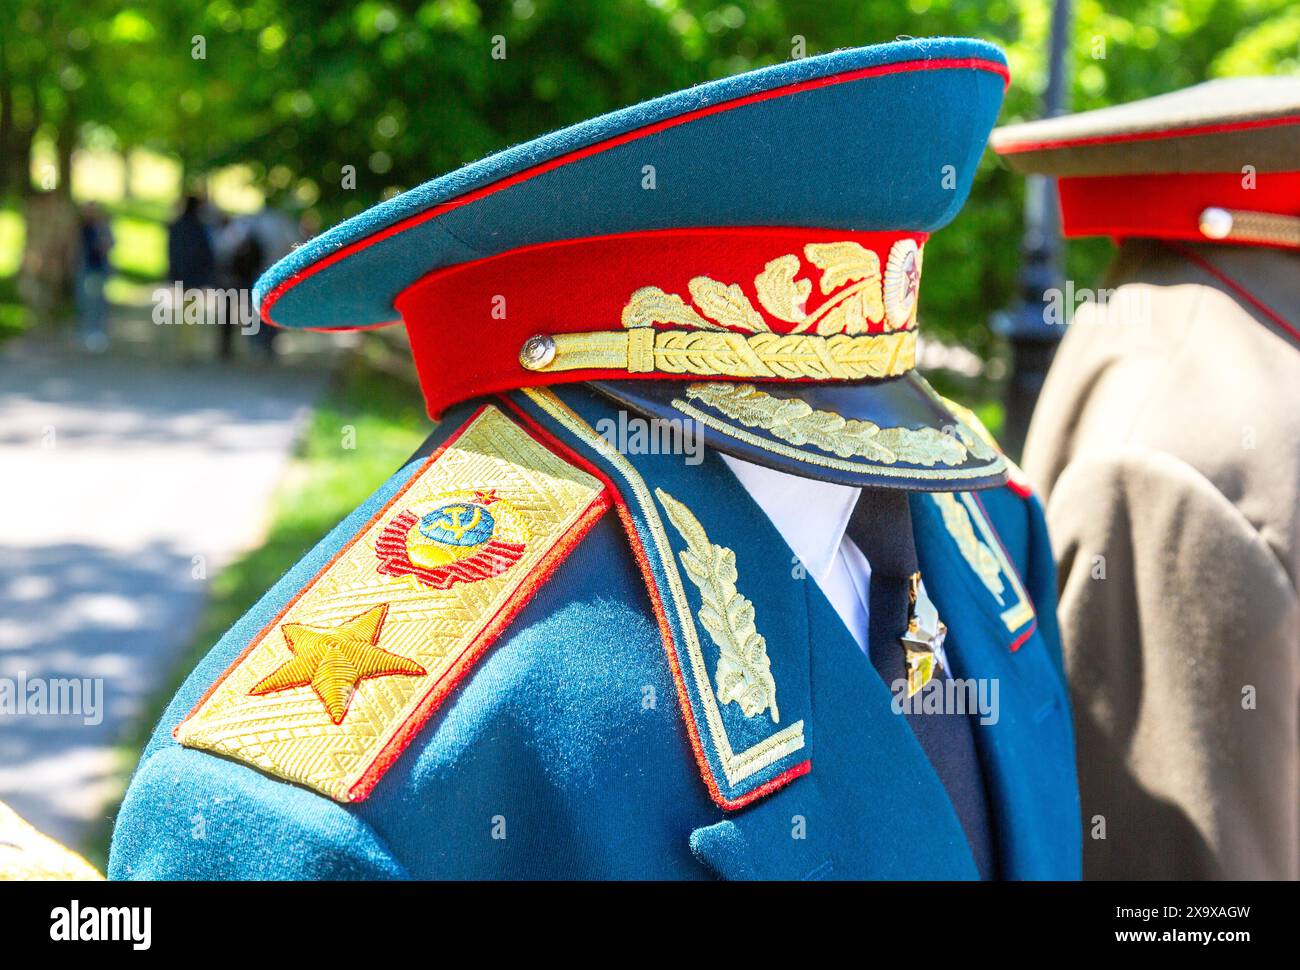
{"x":1239,"y":225}
{"x":713,"y":353}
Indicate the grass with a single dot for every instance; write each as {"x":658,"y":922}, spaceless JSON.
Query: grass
{"x":13,"y":314}
{"x":324,"y":482}
{"x":12,"y":234}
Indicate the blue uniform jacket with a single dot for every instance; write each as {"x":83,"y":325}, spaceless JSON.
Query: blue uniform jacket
{"x":588,"y":739}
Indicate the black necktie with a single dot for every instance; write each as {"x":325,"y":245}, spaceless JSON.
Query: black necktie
{"x":881,"y":526}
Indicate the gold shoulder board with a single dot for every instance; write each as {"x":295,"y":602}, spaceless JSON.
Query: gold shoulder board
{"x":335,"y":686}
{"x":26,"y":855}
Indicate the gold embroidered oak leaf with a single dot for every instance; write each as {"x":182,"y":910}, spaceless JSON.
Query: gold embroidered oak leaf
{"x":971,"y":429}
{"x":650,"y":305}
{"x":843,"y":262}
{"x":849,"y":310}
{"x":848,"y":267}
{"x":744,"y":672}
{"x":780,"y":293}
{"x":332,"y":661}
{"x":796,"y":422}
{"x":978,"y":556}
{"x":727,"y":305}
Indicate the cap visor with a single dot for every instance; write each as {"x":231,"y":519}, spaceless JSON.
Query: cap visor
{"x":894,"y":433}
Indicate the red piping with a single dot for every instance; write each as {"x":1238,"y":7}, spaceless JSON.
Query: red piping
{"x":976,"y":63}
{"x":1019,"y":641}
{"x":1237,"y":288}
{"x":1193,"y":130}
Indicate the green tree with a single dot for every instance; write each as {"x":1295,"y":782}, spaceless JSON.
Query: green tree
{"x":404,"y":90}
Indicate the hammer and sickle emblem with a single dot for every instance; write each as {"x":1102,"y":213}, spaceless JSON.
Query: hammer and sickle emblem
{"x":454,"y":521}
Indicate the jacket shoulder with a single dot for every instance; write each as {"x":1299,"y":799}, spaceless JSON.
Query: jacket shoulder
{"x":578,"y":672}
{"x":1119,"y":500}
{"x":332,"y":678}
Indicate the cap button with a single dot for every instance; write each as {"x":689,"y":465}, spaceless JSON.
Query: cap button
{"x":1216,"y":223}
{"x":537,"y":352}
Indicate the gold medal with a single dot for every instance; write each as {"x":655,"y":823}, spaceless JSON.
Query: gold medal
{"x":923,"y":641}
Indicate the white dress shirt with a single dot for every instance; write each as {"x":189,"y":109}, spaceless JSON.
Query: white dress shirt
{"x":811,"y":517}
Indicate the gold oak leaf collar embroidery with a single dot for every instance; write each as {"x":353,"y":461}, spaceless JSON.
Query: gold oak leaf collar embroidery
{"x":332,"y":661}
{"x":744,"y":672}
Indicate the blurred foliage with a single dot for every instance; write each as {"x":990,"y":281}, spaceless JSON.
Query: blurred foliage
{"x":11,"y":241}
{"x":408,"y":90}
{"x":139,"y":247}
{"x":14,"y":315}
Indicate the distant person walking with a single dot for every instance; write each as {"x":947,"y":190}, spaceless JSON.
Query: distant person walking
{"x":191,"y":259}
{"x":276,"y":234}
{"x":238,"y":262}
{"x":189,"y":248}
{"x":96,"y":241}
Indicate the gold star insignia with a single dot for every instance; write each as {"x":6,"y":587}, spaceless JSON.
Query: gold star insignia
{"x":332,"y":661}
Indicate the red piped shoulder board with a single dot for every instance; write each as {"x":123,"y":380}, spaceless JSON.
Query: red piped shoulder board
{"x":335,"y":686}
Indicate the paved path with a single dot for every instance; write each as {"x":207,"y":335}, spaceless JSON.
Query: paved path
{"x":116,"y":474}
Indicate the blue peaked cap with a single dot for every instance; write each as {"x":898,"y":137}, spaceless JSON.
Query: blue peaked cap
{"x":873,"y":138}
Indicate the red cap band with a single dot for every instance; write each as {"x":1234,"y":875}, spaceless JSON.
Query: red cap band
{"x":1169,"y":206}
{"x":469,"y":323}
